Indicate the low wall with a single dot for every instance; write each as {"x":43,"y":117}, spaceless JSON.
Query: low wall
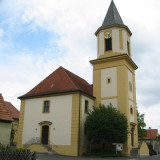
{"x":143,"y":149}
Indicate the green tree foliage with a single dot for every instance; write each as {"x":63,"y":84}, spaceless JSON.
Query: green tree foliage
{"x":105,"y":124}
{"x":142,"y":133}
{"x":158,"y":138}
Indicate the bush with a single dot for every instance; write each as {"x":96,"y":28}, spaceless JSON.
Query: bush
{"x":7,"y":153}
{"x":151,"y":151}
{"x":3,"y":148}
{"x":105,"y":125}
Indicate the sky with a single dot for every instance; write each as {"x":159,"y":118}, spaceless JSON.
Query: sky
{"x":37,"y":36}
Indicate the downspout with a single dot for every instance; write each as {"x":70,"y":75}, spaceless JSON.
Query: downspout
{"x":79,"y":125}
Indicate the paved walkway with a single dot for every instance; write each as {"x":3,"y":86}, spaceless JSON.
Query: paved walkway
{"x":57,"y":157}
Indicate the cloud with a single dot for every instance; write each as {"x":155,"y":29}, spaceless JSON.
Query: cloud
{"x":27,"y":56}
{"x":151,"y":116}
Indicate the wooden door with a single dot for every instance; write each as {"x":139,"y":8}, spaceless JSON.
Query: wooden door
{"x":45,"y":134}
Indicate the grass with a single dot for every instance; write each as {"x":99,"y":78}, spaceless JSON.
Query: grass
{"x":4,"y":148}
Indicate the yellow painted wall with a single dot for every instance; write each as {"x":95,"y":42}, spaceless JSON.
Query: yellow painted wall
{"x":5,"y":133}
{"x":15,"y":124}
{"x":97,"y":86}
{"x":71,"y":150}
{"x":20,"y":128}
{"x":135,"y":109}
{"x":84,"y":143}
{"x":120,"y":36}
{"x":123,"y":64}
{"x":143,"y":149}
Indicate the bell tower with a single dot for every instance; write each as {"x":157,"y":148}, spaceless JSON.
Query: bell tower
{"x":113,"y":37}
{"x":114,"y":71}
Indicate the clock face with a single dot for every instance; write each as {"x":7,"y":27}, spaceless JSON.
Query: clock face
{"x":107,"y":35}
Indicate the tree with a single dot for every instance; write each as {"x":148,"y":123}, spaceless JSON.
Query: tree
{"x":142,"y":133}
{"x":106,"y":125}
{"x":158,"y":138}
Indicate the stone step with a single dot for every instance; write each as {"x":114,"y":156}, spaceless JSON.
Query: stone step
{"x":134,"y":152}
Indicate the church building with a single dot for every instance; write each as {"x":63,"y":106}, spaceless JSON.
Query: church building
{"x":52,"y":114}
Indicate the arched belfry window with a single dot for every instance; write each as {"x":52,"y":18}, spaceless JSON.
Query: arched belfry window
{"x":108,"y":42}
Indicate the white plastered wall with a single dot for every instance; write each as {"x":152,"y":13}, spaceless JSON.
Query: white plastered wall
{"x":109,"y":90}
{"x":91,"y":103}
{"x":60,"y":116}
{"x":130,"y":79}
{"x":131,"y":104}
{"x":115,"y":40}
{"x":106,"y":102}
{"x":101,"y":44}
{"x":124,"y":37}
{"x":129,"y":40}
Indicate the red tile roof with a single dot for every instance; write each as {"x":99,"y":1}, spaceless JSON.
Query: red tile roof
{"x":60,"y":81}
{"x":13,"y":111}
{"x":4,"y":112}
{"x":151,"y":133}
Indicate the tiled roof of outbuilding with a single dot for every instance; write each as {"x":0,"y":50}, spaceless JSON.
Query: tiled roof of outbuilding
{"x":4,"y":112}
{"x":151,"y":133}
{"x":60,"y":81}
{"x":13,"y":111}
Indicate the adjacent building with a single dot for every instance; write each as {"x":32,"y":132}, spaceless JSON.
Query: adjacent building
{"x":5,"y":123}
{"x":150,"y":139}
{"x":15,"y":116}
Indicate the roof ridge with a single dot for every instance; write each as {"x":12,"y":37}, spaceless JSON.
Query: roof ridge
{"x":61,"y":80}
{"x":69,"y":76}
{"x":76,"y":75}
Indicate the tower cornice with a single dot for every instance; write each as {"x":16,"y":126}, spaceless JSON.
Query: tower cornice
{"x":115,"y":58}
{"x":111,"y":26}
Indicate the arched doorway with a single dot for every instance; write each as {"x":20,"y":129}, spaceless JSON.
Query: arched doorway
{"x":45,"y":134}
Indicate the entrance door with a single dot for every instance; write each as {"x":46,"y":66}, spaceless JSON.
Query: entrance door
{"x":132,"y":136}
{"x":45,"y":133}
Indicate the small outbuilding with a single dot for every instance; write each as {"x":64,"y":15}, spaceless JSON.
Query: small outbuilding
{"x":5,"y":123}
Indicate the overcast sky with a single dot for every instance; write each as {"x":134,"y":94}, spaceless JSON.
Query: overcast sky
{"x":38,"y":36}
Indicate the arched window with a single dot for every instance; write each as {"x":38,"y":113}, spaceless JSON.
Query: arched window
{"x":128,"y":48}
{"x":108,"y":44}
{"x":131,"y":110}
{"x":108,"y":41}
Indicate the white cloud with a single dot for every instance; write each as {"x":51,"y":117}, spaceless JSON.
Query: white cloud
{"x":151,"y":116}
{"x":75,"y":22}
